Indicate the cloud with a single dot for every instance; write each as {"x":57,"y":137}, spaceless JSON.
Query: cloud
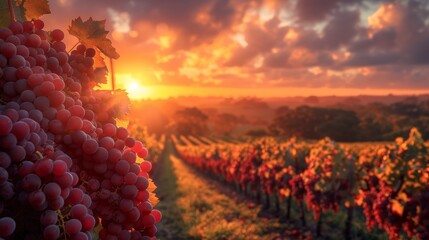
{"x":347,"y":43}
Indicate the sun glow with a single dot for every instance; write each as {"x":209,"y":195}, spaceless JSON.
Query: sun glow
{"x":133,"y":86}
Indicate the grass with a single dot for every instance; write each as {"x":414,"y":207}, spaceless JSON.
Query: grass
{"x":193,"y":207}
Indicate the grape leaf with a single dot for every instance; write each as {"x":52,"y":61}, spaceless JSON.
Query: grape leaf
{"x":92,"y":33}
{"x":4,"y":14}
{"x":100,"y":74}
{"x":152,"y":197}
{"x":33,"y":9}
{"x":5,"y":18}
{"x":24,"y":9}
{"x":397,"y":207}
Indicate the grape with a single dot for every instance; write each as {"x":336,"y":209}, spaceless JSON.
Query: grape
{"x":43,"y":167}
{"x":28,"y":26}
{"x":65,"y":180}
{"x":146,"y":166}
{"x":7,"y":226}
{"x":76,"y":196}
{"x":130,"y":178}
{"x":126,"y":205}
{"x":8,"y":141}
{"x":78,"y":211}
{"x":122,"y":133}
{"x":122,"y":167}
{"x":129,"y":142}
{"x":17,"y":153}
{"x":37,"y":199}
{"x":90,"y":146}
{"x":74,"y":123}
{"x":5,"y":160}
{"x":38,"y":24}
{"x":52,"y":190}
{"x":14,"y":39}
{"x":52,"y":63}
{"x":57,"y":35}
{"x":72,"y":226}
{"x":8,"y":49}
{"x":59,"y":47}
{"x":81,"y":48}
{"x":33,"y":40}
{"x":5,"y":125}
{"x":143,"y":153}
{"x":16,"y":27}
{"x":59,"y":168}
{"x":51,"y":232}
{"x":145,"y":207}
{"x":90,"y":52}
{"x":17,"y":61}
{"x":4,"y":175}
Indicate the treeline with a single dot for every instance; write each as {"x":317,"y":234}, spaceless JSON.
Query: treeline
{"x":372,"y":122}
{"x":348,"y":121}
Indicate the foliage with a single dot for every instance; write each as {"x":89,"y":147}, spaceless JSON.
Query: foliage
{"x":190,"y":121}
{"x":389,"y":181}
{"x":23,"y":10}
{"x":314,"y":123}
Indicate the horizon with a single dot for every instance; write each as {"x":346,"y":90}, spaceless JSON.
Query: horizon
{"x":405,"y":93}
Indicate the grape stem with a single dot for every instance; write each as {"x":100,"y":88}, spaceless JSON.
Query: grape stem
{"x":112,"y":74}
{"x":62,"y":223}
{"x":11,"y":11}
{"x":71,"y":49}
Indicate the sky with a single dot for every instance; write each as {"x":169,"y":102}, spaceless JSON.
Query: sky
{"x":261,"y":47}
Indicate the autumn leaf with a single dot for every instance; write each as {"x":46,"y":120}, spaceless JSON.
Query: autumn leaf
{"x":33,"y":9}
{"x":397,"y":207}
{"x":152,"y":197}
{"x":92,"y":33}
{"x":24,"y":10}
{"x":100,"y":74}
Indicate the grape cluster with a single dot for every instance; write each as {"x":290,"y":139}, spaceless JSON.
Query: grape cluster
{"x":65,"y":167}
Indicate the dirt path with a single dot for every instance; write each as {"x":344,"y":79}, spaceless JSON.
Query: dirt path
{"x":195,"y":208}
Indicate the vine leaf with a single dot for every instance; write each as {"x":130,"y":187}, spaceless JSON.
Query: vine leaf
{"x":34,"y":9}
{"x":24,"y":9}
{"x":153,"y":199}
{"x":4,"y":14}
{"x":92,"y":33}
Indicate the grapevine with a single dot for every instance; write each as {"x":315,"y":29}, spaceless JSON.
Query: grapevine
{"x":66,"y":170}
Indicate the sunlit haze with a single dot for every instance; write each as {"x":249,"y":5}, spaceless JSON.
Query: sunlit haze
{"x":261,"y":48}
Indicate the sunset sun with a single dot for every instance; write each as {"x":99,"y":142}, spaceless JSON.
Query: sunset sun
{"x":134,"y":87}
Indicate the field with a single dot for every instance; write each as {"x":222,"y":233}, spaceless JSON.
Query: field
{"x":276,"y":189}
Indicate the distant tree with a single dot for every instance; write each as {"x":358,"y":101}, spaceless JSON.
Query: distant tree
{"x":311,"y":100}
{"x":257,"y":133}
{"x":225,"y":124}
{"x":251,"y":103}
{"x":190,"y":121}
{"x":314,"y":123}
